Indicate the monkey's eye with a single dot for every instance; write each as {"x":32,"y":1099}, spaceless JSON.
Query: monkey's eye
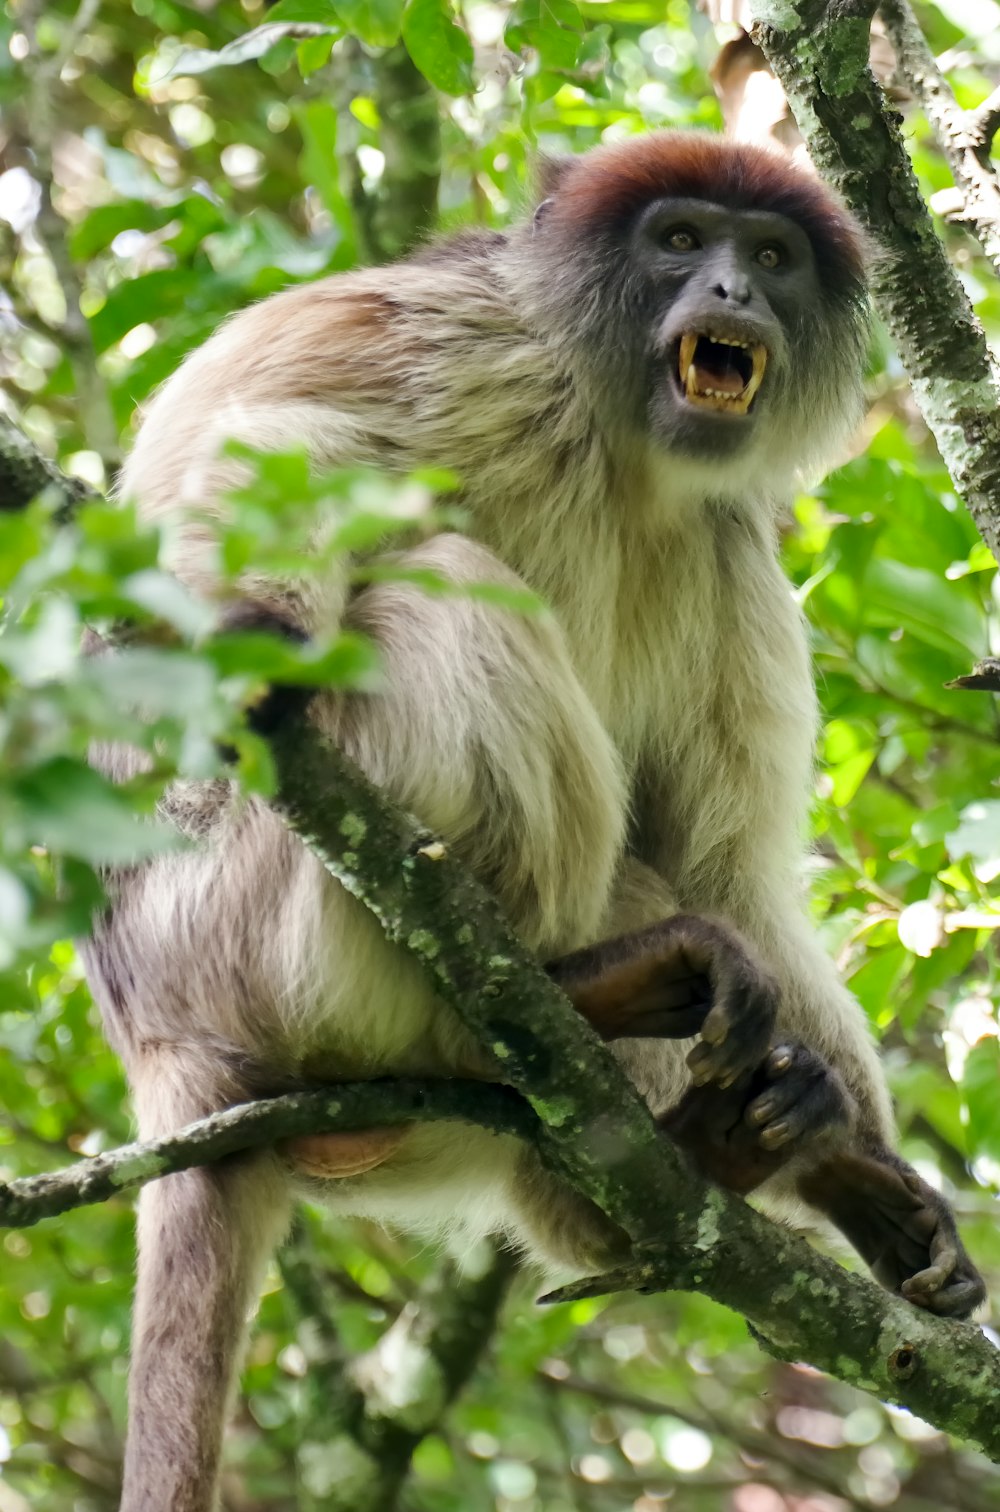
{"x":770,"y":256}
{"x":681,"y":240}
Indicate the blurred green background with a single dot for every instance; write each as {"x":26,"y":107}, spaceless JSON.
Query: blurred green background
{"x":162,"y":164}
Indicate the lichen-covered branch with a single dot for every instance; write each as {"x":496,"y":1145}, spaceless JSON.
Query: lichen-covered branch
{"x":694,"y":1236}
{"x":29,"y":1199}
{"x":947,"y":1373}
{"x":965,"y":136}
{"x":426,"y":901}
{"x":25,"y":473}
{"x":819,"y":51}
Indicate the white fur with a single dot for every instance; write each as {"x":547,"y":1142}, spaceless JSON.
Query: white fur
{"x":671,"y":678}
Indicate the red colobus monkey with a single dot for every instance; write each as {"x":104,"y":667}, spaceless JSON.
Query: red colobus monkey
{"x":627,"y":384}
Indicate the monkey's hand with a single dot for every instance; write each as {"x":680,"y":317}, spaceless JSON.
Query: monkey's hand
{"x":741,"y":1134}
{"x":684,"y":976}
{"x":900,"y":1225}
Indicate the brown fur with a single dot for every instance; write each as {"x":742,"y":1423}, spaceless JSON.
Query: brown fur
{"x":646,"y":747}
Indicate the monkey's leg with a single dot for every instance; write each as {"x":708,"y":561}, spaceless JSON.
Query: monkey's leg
{"x":795,"y":1110}
{"x":900,"y":1225}
{"x":204,"y":1239}
{"x":671,"y":980}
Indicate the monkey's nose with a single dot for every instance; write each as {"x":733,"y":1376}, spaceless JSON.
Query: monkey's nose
{"x":733,"y":290}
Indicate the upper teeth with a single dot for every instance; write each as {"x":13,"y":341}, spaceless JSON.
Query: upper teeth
{"x":688,"y":372}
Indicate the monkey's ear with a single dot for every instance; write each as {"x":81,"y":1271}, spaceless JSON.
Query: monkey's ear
{"x":541,"y":211}
{"x":549,"y":174}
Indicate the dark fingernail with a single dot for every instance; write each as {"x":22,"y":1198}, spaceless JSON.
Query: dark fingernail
{"x":775,"y":1134}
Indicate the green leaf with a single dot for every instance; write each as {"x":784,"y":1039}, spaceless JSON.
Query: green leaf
{"x":314,"y":53}
{"x":980,"y":1080}
{"x":554,"y":28}
{"x":317,"y":12}
{"x":438,"y":46}
{"x":164,"y":291}
{"x":935,"y":611}
{"x":99,"y":227}
{"x":376,"y":22}
{"x":978,"y":833}
{"x":69,"y":808}
{"x":317,"y":123}
{"x":350,"y":661}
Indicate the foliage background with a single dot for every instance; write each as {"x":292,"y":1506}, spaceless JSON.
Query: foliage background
{"x":160,"y":186}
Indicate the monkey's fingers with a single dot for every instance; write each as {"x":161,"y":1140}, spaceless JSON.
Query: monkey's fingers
{"x":802,"y":1097}
{"x":348,"y":1153}
{"x":950,"y":1286}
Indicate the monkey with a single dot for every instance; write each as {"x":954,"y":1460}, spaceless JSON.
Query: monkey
{"x":627,"y":383}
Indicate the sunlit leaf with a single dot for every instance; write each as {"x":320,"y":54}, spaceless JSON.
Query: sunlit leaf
{"x":377,"y":22}
{"x":438,"y":46}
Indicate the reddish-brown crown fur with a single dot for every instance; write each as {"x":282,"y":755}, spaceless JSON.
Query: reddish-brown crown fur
{"x":605,"y":189}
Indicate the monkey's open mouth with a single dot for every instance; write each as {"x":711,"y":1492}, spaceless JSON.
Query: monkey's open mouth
{"x":720,"y":372}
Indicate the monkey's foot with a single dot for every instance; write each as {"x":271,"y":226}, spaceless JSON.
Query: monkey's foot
{"x":743,"y":1133}
{"x":342,"y":1154}
{"x":901,"y":1226}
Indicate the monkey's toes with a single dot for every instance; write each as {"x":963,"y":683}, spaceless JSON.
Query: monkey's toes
{"x":802,"y":1097}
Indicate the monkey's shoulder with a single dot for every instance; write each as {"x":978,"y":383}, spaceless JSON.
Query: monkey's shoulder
{"x":472,"y":245}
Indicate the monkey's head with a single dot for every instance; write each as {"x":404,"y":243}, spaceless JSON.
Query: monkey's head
{"x":714,"y":294}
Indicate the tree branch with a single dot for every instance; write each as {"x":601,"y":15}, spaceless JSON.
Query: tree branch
{"x":39,"y":131}
{"x":360,"y":1105}
{"x":398,"y":1392}
{"x":965,"y":136}
{"x":819,"y":51}
{"x":25,"y":473}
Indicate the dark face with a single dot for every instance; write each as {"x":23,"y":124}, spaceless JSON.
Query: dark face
{"x":727,"y":290}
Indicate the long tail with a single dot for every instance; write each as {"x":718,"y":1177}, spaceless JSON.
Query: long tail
{"x":204,"y":1239}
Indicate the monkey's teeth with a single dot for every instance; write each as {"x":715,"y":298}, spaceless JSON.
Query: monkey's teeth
{"x":685,"y":360}
{"x":759,"y":355}
{"x":711,"y":397}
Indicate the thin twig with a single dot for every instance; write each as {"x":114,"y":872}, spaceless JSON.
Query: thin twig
{"x":964,"y":136}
